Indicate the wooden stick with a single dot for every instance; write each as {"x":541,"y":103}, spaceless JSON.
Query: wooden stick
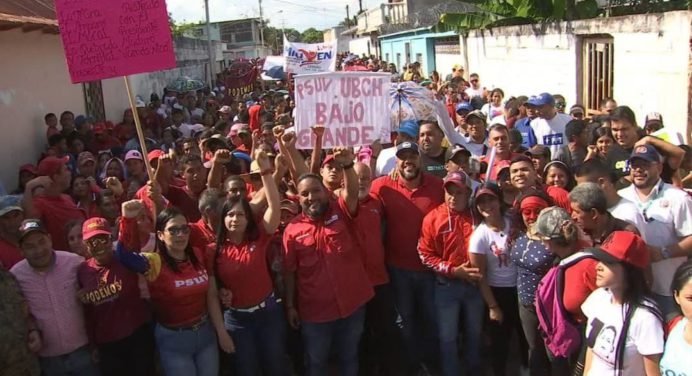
{"x":138,"y":126}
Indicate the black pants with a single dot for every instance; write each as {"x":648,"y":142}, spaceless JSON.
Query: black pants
{"x":381,"y":347}
{"x":130,"y":356}
{"x":501,"y":333}
{"x":538,"y":359}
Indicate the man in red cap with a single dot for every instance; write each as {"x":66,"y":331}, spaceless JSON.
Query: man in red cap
{"x":117,"y":318}
{"x":332,"y":173}
{"x":53,"y":207}
{"x":443,"y":247}
{"x":11,"y":216}
{"x":102,"y":139}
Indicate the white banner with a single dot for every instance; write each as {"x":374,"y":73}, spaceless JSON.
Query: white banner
{"x":304,"y":58}
{"x":353,"y":107}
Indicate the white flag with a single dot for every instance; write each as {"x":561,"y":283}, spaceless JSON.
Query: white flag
{"x":304,"y":58}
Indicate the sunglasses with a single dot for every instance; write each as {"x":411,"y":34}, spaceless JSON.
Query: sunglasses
{"x":180,"y":230}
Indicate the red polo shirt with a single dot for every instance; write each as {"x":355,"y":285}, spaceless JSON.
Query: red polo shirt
{"x":444,"y":239}
{"x":9,"y":254}
{"x":183,"y":199}
{"x":404,"y":211}
{"x":581,"y":279}
{"x":368,"y":225}
{"x":55,"y":212}
{"x":243,"y":269}
{"x":201,"y":236}
{"x":330,"y":278}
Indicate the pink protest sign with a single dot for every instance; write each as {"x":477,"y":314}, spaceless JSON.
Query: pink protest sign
{"x":352,"y":107}
{"x":104,"y":39}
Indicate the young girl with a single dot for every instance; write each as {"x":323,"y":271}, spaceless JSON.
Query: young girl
{"x":624,"y":334}
{"x":677,"y":357}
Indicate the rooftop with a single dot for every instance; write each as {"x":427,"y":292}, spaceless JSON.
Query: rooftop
{"x":29,"y":15}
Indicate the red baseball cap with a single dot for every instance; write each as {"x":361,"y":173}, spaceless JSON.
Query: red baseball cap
{"x":155,"y":154}
{"x":458,"y":178}
{"x":99,"y":128}
{"x":51,"y":165}
{"x":95,"y":226}
{"x":328,"y":159}
{"x":623,"y":246}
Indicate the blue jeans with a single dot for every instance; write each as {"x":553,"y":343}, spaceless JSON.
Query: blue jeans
{"x":414,"y":295}
{"x":188,"y":352}
{"x":453,"y":296}
{"x":259,"y":339}
{"x":76,"y":363}
{"x":669,"y":309}
{"x":344,"y":332}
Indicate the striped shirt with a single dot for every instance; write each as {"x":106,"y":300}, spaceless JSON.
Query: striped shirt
{"x":52,"y":299}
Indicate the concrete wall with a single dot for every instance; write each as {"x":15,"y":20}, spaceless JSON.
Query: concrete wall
{"x":359,"y":46}
{"x":33,"y":82}
{"x":651,"y":60}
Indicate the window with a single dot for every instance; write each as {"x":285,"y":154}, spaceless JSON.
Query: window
{"x":398,"y":61}
{"x":386,"y":57}
{"x":419,"y":58}
{"x":407,"y":51}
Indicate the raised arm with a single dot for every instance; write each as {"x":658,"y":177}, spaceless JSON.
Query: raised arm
{"x":350,"y":192}
{"x":318,"y":130}
{"x":30,"y":210}
{"x":219,"y":160}
{"x":272,"y":215}
{"x":674,"y":154}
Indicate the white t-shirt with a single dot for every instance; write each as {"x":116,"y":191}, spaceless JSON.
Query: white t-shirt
{"x":471,"y":92}
{"x":551,"y":133}
{"x":605,"y":319}
{"x":476,"y":149}
{"x":386,"y":162}
{"x":491,"y":112}
{"x":500,"y":271}
{"x":667,"y":215}
{"x":677,"y":358}
{"x":627,"y":211}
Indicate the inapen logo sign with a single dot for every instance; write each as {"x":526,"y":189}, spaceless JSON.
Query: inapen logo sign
{"x":309,"y":58}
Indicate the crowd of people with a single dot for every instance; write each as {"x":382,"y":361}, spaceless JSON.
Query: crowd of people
{"x":518,"y":237}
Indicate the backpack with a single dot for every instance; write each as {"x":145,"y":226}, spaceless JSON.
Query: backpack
{"x":561,"y":334}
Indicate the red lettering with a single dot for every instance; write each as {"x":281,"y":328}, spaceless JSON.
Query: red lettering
{"x":341,"y":136}
{"x":299,"y":89}
{"x":335,"y":114}
{"x":304,"y":138}
{"x":355,"y":83}
{"x":366,"y":135}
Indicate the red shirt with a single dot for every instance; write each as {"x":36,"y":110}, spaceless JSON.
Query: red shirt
{"x":243,"y":269}
{"x":254,"y":112}
{"x":9,"y":254}
{"x":330,"y":278}
{"x":181,"y":198}
{"x":55,"y":212}
{"x":560,"y":196}
{"x":201,"y":236}
{"x":404,"y":211}
{"x":368,"y":225}
{"x":580,"y":279}
{"x":113,"y":305}
{"x":444,"y":239}
{"x":180,"y":299}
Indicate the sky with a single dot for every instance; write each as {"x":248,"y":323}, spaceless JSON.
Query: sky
{"x":297,"y":14}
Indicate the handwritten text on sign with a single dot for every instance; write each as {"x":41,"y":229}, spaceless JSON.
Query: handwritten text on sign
{"x":104,"y":39}
{"x":351,"y":106}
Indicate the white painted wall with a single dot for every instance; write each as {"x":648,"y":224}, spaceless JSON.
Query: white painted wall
{"x":651,"y":61}
{"x":445,"y":62}
{"x":34,"y":80}
{"x":359,"y":46}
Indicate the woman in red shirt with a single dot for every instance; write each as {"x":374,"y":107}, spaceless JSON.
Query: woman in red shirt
{"x":240,"y":264}
{"x":182,"y":297}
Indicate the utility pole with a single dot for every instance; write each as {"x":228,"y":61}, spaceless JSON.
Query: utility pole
{"x":348,"y":18}
{"x":261,"y":24}
{"x":360,"y":6}
{"x":211,"y":58}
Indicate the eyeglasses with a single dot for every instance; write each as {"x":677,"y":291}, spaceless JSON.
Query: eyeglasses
{"x":180,"y":230}
{"x":474,"y":81}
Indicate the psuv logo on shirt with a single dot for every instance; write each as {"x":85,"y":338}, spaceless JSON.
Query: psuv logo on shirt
{"x":201,"y":279}
{"x":553,"y":139}
{"x":623,"y":166}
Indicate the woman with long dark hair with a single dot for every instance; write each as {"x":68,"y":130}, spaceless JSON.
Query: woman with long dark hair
{"x":488,"y":252}
{"x":254,"y":318}
{"x":182,"y":297}
{"x":556,"y":173}
{"x":624,"y":334}
{"x":533,"y":260}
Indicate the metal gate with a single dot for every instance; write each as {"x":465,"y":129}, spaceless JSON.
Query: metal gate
{"x":597,"y":71}
{"x":93,"y":100}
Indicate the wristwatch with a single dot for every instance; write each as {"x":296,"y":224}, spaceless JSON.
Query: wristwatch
{"x":665,"y":253}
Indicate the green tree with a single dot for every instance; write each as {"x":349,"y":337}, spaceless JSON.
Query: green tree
{"x":178,"y":29}
{"x":312,"y":35}
{"x":484,"y":14}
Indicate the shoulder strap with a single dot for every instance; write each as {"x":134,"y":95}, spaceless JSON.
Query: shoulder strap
{"x":575,"y":258}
